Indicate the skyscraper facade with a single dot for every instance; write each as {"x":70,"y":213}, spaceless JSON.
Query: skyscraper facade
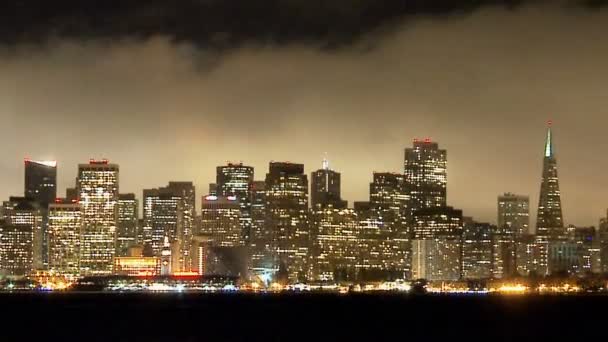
{"x":41,"y":186}
{"x":170,"y":212}
{"x":514,"y":213}
{"x":436,"y":244}
{"x":549,"y":221}
{"x":127,"y":225}
{"x":220,"y":220}
{"x":325,"y":188}
{"x":425,"y":170}
{"x":236,"y":180}
{"x":287,"y":218}
{"x":65,"y":224}
{"x":21,"y":237}
{"x":260,"y":242}
{"x":476,"y":250}
{"x":98,"y":194}
{"x":41,"y":181}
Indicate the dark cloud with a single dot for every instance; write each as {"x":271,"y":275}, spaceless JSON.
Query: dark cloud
{"x":227,"y":23}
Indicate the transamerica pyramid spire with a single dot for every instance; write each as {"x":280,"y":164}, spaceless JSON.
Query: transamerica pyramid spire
{"x":549,"y":219}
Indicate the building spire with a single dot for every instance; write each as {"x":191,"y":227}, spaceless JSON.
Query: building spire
{"x":325,"y":162}
{"x":549,"y":142}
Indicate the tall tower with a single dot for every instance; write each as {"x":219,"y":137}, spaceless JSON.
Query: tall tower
{"x":127,"y":228}
{"x":425,"y":168}
{"x":98,"y":194}
{"x":287,"y":217}
{"x":549,"y":221}
{"x":236,"y":180}
{"x":325,"y":188}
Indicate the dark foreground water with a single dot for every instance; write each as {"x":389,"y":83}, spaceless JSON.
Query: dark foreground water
{"x":187,"y":317}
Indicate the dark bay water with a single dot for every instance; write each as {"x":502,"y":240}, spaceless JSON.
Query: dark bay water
{"x":238,"y":317}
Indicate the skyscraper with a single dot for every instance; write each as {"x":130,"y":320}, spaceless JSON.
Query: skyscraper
{"x":98,"y":194}
{"x":388,"y":199}
{"x":21,"y":237}
{"x":236,"y":180}
{"x":41,"y":181}
{"x":169,"y":212}
{"x":514,"y":213}
{"x":41,"y":186}
{"x":437,"y":246}
{"x":549,"y":220}
{"x":425,"y":169}
{"x":476,"y":250}
{"x":287,"y":218}
{"x":65,"y":224}
{"x":220,"y":219}
{"x":261,"y":243}
{"x":325,"y":188}
{"x":127,"y":225}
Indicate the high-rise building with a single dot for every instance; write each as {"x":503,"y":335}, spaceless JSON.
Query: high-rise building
{"x":260,"y":247}
{"x":335,"y":244}
{"x":514,"y":214}
{"x":549,"y":221}
{"x":41,"y":181}
{"x":98,"y":195}
{"x":220,"y":219}
{"x":504,"y":252}
{"x":21,"y":237}
{"x":476,"y":250}
{"x":436,"y":244}
{"x":41,"y":186}
{"x":169,"y":212}
{"x":388,"y":213}
{"x":425,"y":169}
{"x":127,"y":225}
{"x":325,"y":188}
{"x":65,"y":224}
{"x":236,"y":180}
{"x":287,"y":219}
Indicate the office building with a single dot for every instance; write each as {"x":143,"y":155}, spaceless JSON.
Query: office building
{"x":221,"y":220}
{"x":21,"y":237}
{"x":514,"y":214}
{"x":477,"y":250}
{"x":127,"y":224}
{"x":287,"y":219}
{"x":98,"y":195}
{"x":549,"y":221}
{"x":325,"y":188}
{"x":65,"y":225}
{"x":236,"y":180}
{"x":425,"y":170}
{"x":169,"y":212}
{"x":436,"y":244}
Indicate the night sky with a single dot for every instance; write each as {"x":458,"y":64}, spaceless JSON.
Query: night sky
{"x":171,"y":89}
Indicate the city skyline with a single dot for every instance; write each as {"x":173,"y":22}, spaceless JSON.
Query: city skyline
{"x":63,"y":184}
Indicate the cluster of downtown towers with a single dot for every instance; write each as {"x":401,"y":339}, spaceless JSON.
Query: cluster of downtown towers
{"x":249,"y":228}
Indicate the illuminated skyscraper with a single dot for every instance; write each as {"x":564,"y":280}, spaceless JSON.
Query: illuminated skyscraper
{"x":236,"y":180}
{"x":476,"y":250}
{"x":603,"y":243}
{"x":41,"y":186}
{"x":437,"y":247}
{"x":549,"y":220}
{"x":514,"y":213}
{"x":287,"y":218}
{"x":98,"y":194}
{"x":41,"y":181}
{"x":261,"y":242}
{"x":386,"y":223}
{"x":65,"y":224}
{"x":220,"y":219}
{"x":425,"y":169}
{"x":21,"y":237}
{"x":169,"y":212}
{"x":127,"y":226}
{"x":325,"y":188}
{"x":335,"y":244}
